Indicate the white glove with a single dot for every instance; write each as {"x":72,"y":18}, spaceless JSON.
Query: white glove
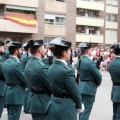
{"x":79,"y":111}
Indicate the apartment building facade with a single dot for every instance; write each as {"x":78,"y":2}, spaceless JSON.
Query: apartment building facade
{"x":97,"y":21}
{"x":55,"y":18}
{"x":94,"y":21}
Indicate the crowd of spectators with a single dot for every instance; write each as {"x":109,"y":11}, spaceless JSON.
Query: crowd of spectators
{"x":100,"y":56}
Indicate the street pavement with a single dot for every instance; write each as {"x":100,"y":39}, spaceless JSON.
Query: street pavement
{"x":102,"y":109}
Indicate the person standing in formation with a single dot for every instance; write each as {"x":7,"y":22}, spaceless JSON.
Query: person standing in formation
{"x":2,"y":79}
{"x":37,"y":76}
{"x":114,"y":70}
{"x":90,"y":79}
{"x":66,"y":98}
{"x":13,"y":71}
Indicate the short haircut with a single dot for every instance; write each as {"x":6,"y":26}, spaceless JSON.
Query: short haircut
{"x":34,"y":49}
{"x":58,"y":51}
{"x":117,"y":51}
{"x":83,"y":50}
{"x":12,"y":49}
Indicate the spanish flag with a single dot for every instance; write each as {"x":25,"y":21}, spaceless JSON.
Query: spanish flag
{"x":32,"y":23}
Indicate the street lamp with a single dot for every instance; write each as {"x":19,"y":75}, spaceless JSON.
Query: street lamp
{"x":90,"y":37}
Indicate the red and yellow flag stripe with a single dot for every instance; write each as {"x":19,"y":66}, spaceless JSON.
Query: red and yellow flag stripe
{"x":32,"y":23}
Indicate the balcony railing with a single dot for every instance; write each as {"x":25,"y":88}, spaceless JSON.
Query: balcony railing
{"x":90,"y":21}
{"x":28,"y":3}
{"x":94,"y":38}
{"x":55,"y":30}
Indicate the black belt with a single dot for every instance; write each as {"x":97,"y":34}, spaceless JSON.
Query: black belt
{"x":61,"y":95}
{"x":116,"y":84}
{"x":12,"y":84}
{"x":87,"y":80}
{"x":39,"y":92}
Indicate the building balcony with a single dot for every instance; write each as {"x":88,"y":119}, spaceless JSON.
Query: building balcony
{"x":88,"y":38}
{"x":91,"y":5}
{"x":88,"y":21}
{"x":10,"y":26}
{"x":110,"y":40}
{"x":112,"y":9}
{"x":55,"y":30}
{"x":27,"y":3}
{"x":55,"y":7}
{"x":111,"y":25}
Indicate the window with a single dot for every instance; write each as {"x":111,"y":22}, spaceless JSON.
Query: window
{"x":91,"y":14}
{"x":54,"y":19}
{"x":110,"y":34}
{"x":47,"y":40}
{"x":60,"y":21}
{"x":114,"y":18}
{"x":110,"y":17}
{"x":18,"y":39}
{"x":49,"y":21}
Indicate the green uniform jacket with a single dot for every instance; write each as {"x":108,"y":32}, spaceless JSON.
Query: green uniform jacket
{"x":7,"y":54}
{"x":2,"y":79}
{"x":25,"y":58}
{"x":62,"y":80}
{"x":114,"y":70}
{"x":13,"y":71}
{"x":45,"y":61}
{"x":70,"y":65}
{"x":37,"y":75}
{"x":89,"y":72}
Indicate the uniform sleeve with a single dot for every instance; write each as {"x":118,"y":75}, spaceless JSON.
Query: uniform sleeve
{"x":1,"y":72}
{"x":73,"y":88}
{"x":44,"y":77}
{"x":95,"y":72}
{"x":19,"y":71}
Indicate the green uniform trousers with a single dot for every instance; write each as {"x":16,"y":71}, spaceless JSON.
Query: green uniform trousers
{"x":1,"y":105}
{"x":14,"y":112}
{"x":88,"y":102}
{"x":36,"y":116}
{"x":116,"y":111}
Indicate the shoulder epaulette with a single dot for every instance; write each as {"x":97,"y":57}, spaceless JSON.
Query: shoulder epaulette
{"x":89,"y":59}
{"x":65,"y":66}
{"x":40,"y":62}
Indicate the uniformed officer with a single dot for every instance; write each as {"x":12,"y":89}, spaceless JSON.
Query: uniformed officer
{"x":65,"y":90}
{"x":90,"y":79}
{"x":114,"y":70}
{"x":26,"y":56}
{"x":24,"y":59}
{"x":37,"y":75}
{"x":13,"y":71}
{"x":51,"y":58}
{"x":2,"y":79}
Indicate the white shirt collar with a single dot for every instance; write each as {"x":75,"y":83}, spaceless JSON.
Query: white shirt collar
{"x":117,"y":56}
{"x":62,"y":61}
{"x":15,"y":57}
